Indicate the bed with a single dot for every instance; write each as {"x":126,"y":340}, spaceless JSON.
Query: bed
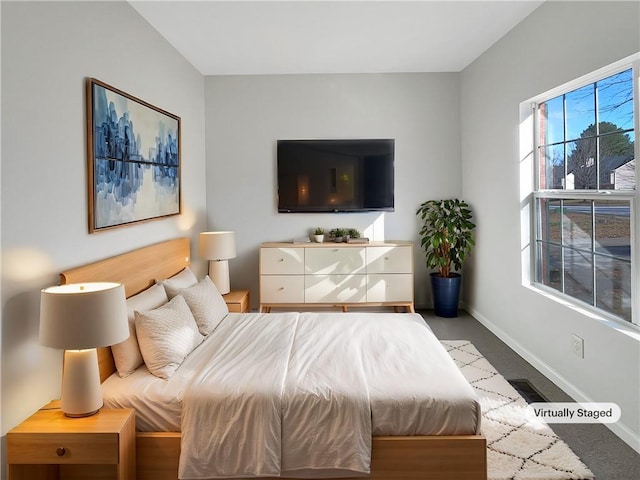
{"x":158,"y":451}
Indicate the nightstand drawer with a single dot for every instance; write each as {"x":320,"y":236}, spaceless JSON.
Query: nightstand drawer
{"x":238,"y":301}
{"x":61,"y":448}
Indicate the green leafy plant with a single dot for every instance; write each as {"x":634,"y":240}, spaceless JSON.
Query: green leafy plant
{"x":337,"y":232}
{"x":447,"y":234}
{"x":353,"y":233}
{"x":318,"y":231}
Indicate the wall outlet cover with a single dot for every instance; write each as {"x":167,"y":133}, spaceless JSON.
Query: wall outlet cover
{"x":577,"y":345}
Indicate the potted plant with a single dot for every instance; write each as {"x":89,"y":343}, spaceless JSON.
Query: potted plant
{"x":337,"y":234}
{"x":318,"y":235}
{"x":352,"y":233}
{"x":447,"y":238}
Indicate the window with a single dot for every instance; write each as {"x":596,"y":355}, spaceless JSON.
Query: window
{"x":585,"y":195}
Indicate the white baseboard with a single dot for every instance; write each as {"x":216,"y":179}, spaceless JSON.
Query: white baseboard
{"x":619,"y":429}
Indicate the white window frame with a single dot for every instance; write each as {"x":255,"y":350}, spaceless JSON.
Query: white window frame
{"x":633,"y":196}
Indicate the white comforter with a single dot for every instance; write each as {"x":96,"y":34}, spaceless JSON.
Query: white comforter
{"x":300,"y":395}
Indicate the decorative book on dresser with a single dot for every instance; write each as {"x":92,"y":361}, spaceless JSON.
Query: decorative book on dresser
{"x":336,"y":274}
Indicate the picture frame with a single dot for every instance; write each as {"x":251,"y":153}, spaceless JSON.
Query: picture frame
{"x":134,"y":159}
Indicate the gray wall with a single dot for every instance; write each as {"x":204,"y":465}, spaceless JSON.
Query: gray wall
{"x":247,"y":114}
{"x":558,"y":42}
{"x":48,"y":48}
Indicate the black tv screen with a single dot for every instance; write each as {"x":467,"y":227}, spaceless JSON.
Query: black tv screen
{"x":335,"y":175}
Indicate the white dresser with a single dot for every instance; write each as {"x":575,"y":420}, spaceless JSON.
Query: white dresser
{"x":336,"y":274}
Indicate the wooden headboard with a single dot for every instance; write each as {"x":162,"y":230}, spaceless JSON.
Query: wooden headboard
{"x":137,"y":270}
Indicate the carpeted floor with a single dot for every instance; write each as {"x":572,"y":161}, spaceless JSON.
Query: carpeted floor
{"x":606,"y":455}
{"x":517,"y":449}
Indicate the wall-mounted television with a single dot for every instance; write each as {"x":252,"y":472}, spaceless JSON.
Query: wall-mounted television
{"x":335,"y":175}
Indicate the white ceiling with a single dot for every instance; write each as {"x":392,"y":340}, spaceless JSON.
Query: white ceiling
{"x":267,"y":37}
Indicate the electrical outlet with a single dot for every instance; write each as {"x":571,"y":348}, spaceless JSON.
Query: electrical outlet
{"x":577,"y":345}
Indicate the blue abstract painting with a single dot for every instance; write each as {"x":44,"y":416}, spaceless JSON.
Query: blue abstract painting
{"x":134,"y":159}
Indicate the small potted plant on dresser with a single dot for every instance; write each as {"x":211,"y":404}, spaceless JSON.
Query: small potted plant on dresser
{"x":318,"y":235}
{"x":338,"y":234}
{"x":352,"y":233}
{"x":447,"y":238}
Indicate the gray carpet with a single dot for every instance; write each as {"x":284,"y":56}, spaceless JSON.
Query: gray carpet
{"x":608,"y":457}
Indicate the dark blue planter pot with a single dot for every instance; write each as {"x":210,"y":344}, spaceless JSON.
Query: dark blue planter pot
{"x":446,"y":294}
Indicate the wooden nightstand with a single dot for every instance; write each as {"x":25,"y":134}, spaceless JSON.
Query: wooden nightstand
{"x":49,"y":445}
{"x":238,"y":301}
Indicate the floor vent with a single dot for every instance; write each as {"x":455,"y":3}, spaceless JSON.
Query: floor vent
{"x":528,"y":391}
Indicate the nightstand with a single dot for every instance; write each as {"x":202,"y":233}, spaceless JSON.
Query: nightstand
{"x":49,"y":445}
{"x":238,"y":301}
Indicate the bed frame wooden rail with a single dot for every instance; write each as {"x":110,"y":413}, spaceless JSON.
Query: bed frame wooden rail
{"x":460,"y":457}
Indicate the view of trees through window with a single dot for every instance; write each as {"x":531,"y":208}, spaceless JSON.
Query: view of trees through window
{"x":586,"y":146}
{"x":587,"y":138}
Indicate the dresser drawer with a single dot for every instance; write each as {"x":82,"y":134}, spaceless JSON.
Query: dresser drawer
{"x":282,"y":289}
{"x":281,"y":261}
{"x":334,"y":260}
{"x":389,"y":259}
{"x":390,"y":288}
{"x":335,"y":288}
{"x":61,"y":448}
{"x":336,"y":274}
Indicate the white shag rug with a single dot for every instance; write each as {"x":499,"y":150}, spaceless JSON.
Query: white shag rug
{"x":517,"y":449}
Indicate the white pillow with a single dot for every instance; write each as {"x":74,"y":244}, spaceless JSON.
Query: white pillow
{"x":206,"y":304}
{"x":166,"y":336}
{"x":126,"y":355}
{"x":184,"y":279}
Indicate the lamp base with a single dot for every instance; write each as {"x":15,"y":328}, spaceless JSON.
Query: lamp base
{"x":219,"y":274}
{"x":80,"y":415}
{"x":81,"y":390}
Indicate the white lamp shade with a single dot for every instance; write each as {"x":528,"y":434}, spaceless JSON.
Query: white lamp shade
{"x":83,"y":315}
{"x":217,"y":245}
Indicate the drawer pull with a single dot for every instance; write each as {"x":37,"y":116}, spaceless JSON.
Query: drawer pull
{"x":61,"y":451}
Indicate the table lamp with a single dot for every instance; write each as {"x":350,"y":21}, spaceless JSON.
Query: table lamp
{"x":78,"y":318}
{"x":218,"y":247}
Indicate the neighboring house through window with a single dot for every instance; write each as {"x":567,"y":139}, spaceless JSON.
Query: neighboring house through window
{"x":585,"y":191}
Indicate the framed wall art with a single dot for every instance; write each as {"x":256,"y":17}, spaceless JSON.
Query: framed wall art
{"x":134,"y":159}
